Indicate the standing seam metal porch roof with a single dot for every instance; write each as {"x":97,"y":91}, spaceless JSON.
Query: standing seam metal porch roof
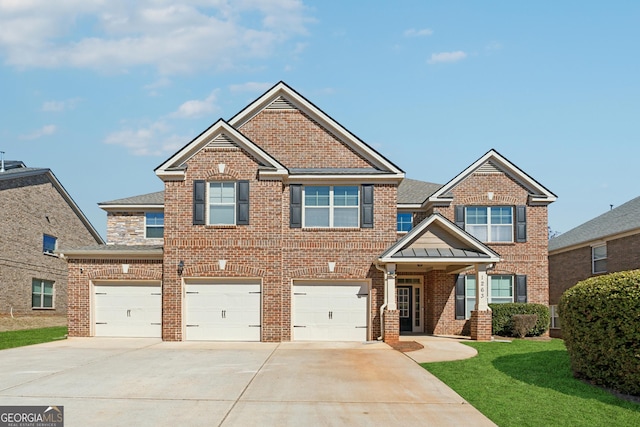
{"x":438,"y":253}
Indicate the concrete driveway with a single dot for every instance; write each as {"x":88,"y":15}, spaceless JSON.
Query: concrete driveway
{"x":146,"y":382}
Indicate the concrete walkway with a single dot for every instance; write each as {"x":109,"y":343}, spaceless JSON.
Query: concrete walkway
{"x":146,"y":382}
{"x":439,"y":348}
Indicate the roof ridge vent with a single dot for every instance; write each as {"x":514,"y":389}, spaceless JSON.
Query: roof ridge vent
{"x":281,"y":103}
{"x":222,"y":140}
{"x":489,"y":167}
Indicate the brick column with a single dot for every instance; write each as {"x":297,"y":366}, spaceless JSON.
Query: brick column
{"x":481,"y":325}
{"x":391,"y":326}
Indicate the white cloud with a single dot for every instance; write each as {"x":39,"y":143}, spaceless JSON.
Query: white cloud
{"x":39,"y":133}
{"x":59,"y":106}
{"x":251,"y":87}
{"x":447,"y":57}
{"x":412,"y":32}
{"x":196,"y":108}
{"x":151,"y":140}
{"x":116,"y":35}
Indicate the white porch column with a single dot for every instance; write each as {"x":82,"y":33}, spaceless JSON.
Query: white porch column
{"x":482,"y":288}
{"x":391,"y":287}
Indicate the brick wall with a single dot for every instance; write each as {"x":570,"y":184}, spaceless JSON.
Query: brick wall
{"x":32,"y":207}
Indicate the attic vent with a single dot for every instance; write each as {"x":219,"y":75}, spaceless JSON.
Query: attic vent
{"x":222,"y":140}
{"x":281,"y":104}
{"x":489,"y":167}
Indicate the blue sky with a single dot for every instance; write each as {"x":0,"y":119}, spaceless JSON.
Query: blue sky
{"x":102,"y":92}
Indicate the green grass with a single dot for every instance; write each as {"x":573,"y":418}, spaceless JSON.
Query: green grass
{"x":24,"y":337}
{"x":529,"y":383}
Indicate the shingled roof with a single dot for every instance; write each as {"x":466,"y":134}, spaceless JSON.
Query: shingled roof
{"x":412,"y":191}
{"x":623,"y":219}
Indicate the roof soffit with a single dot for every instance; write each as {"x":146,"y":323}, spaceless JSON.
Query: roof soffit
{"x":295,"y":100}
{"x":174,"y":168}
{"x":494,"y":160}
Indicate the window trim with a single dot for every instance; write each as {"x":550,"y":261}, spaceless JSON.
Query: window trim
{"x":208,"y":203}
{"x":147,"y":225}
{"x":489,"y":225}
{"x":468,"y":310}
{"x":42,"y":294}
{"x":410,"y":223}
{"x":332,"y":207}
{"x":594,"y":260}
{"x":55,"y":244}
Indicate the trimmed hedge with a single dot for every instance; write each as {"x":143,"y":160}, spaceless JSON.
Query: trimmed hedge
{"x":600,"y":320}
{"x":503,"y":318}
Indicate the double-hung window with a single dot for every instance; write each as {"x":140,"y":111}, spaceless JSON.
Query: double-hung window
{"x":154,"y":225}
{"x":222,"y":203}
{"x":331,"y":206}
{"x":405,"y":222}
{"x":599,"y":259}
{"x":41,"y":293}
{"x":501,"y":291}
{"x":48,"y":244}
{"x":490,"y":223}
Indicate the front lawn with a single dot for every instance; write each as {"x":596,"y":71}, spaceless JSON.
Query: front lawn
{"x":24,"y":337}
{"x":529,"y":383}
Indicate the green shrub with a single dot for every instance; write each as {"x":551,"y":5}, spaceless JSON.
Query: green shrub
{"x":523,"y":323}
{"x":503,"y":317}
{"x":600,"y":320}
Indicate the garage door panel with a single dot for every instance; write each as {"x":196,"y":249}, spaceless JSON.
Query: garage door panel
{"x":125,"y":310}
{"x":330,"y":312}
{"x":222,"y":312}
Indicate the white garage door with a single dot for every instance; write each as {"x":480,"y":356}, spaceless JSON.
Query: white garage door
{"x":128,"y":310}
{"x":222,"y":311}
{"x":330,"y":312}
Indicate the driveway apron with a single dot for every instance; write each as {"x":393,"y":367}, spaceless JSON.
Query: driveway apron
{"x":146,"y":382}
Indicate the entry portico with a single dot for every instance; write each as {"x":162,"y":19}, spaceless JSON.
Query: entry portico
{"x":432,"y":254}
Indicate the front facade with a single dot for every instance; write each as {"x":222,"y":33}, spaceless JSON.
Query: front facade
{"x":37,"y":216}
{"x":281,"y":225}
{"x":606,"y":244}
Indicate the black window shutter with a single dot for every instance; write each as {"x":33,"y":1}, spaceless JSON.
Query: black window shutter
{"x":242,"y":203}
{"x":366,"y":206}
{"x":199,"y":203}
{"x":295,"y":206}
{"x":521,"y":224}
{"x":521,"y":288}
{"x":458,"y":216}
{"x":460,"y":311}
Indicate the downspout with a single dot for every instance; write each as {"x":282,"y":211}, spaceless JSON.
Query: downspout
{"x":383,"y":306}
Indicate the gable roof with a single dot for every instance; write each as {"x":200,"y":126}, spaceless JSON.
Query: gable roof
{"x":18,"y":170}
{"x":413,"y":192}
{"x":492,"y":161}
{"x":218,"y":133}
{"x":625,"y":219}
{"x":456,"y":248}
{"x":285,"y":97}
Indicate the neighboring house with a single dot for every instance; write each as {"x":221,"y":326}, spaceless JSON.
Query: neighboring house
{"x":37,"y":216}
{"x":281,"y":225}
{"x":605,"y":244}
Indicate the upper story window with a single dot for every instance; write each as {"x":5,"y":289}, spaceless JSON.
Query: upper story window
{"x":490,"y":223}
{"x":154,"y":225}
{"x":222,"y":203}
{"x":405,"y":222}
{"x":41,"y":293}
{"x":599,"y":259}
{"x":49,"y":244}
{"x":331,"y":206}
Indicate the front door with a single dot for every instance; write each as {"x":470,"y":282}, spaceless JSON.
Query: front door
{"x":404,"y":308}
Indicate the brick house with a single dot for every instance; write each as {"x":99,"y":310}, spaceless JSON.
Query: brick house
{"x":280,"y":225}
{"x":606,"y":244}
{"x":36,"y":216}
